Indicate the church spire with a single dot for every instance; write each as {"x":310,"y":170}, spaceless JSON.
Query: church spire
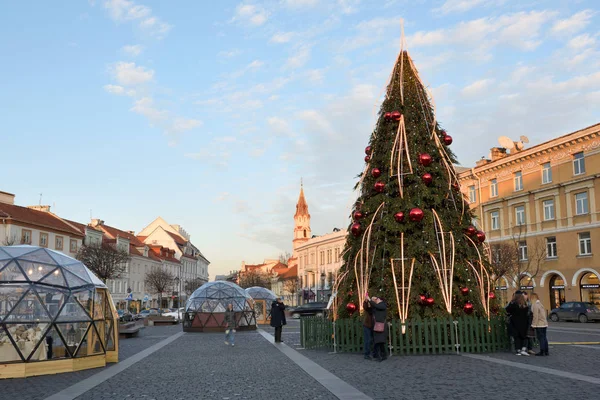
{"x":301,"y":220}
{"x":301,"y":206}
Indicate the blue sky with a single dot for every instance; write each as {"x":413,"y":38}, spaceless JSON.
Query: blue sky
{"x":209,"y":115}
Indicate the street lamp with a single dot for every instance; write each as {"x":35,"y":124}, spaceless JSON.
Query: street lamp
{"x":177,"y":281}
{"x":322,"y":284}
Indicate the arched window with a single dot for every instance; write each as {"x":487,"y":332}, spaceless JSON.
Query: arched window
{"x":589,"y":286}
{"x":305,"y":233}
{"x":557,"y":291}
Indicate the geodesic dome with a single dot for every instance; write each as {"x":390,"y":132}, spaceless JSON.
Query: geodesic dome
{"x":52,"y":307}
{"x":263,"y":298}
{"x":261,"y":293}
{"x":205,"y":309}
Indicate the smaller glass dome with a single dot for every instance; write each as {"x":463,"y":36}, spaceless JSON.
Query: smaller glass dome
{"x":261,"y":293}
{"x":205,"y":309}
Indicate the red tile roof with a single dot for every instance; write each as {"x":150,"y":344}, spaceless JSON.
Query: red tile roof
{"x":114,"y":232}
{"x":81,"y":226}
{"x":157,"y":252}
{"x":178,"y":239}
{"x":289,"y":273}
{"x":40,"y":219}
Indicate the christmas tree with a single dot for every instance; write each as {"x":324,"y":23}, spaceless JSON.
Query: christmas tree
{"x":412,"y":239}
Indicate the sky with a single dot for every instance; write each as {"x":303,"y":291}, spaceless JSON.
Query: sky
{"x":210,"y":113}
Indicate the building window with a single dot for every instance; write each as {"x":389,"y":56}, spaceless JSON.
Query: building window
{"x":578,"y":163}
{"x":551,"y":247}
{"x":472,"y":194}
{"x":322,"y":254}
{"x":523,"y":251}
{"x":43,"y":239}
{"x":548,"y":210}
{"x":25,"y":236}
{"x":520,"y":215}
{"x":337,"y":254}
{"x":581,"y":203}
{"x":73,"y":246}
{"x":495,"y":217}
{"x":305,"y":233}
{"x":546,"y":173}
{"x":58,"y":242}
{"x":585,"y":244}
{"x":329,"y":256}
{"x":494,"y":188}
{"x":518,"y":181}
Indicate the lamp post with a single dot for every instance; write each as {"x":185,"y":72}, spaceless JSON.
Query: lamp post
{"x":177,"y":282}
{"x":322,"y":284}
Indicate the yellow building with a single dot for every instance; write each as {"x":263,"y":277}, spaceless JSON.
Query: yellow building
{"x":542,"y":201}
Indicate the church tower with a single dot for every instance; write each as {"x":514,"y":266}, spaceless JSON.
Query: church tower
{"x":301,"y":221}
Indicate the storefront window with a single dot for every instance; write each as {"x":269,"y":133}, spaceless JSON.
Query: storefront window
{"x":501,"y":292}
{"x":526,"y":284}
{"x":557,"y":291}
{"x":590,"y":288}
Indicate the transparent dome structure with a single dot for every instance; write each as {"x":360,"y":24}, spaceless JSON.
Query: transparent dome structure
{"x":52,"y":307}
{"x":205,"y":309}
{"x":263,"y":298}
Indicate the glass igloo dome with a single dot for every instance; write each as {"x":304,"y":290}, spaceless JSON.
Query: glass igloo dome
{"x":52,"y":307}
{"x":261,"y":293}
{"x":205,"y":309}
{"x":263,"y":298}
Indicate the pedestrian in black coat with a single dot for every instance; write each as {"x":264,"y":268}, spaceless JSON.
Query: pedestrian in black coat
{"x":519,"y":318}
{"x":278,"y":318}
{"x":379,"y":338}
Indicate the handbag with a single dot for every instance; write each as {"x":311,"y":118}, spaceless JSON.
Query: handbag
{"x":379,"y":327}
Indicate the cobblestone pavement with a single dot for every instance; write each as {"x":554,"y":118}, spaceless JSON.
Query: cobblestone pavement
{"x":201,"y":366}
{"x":40,"y":387}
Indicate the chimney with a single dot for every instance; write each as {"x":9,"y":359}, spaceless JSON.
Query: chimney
{"x":40,"y":208}
{"x":498,"y":153}
{"x":481,"y":162}
{"x":7,"y":198}
{"x":131,"y":232}
{"x":97,"y":222}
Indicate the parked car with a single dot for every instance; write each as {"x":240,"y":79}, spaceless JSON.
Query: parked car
{"x":576,"y":311}
{"x":177,"y":314}
{"x":318,"y":309}
{"x":146,"y":313}
{"x":125,"y":316}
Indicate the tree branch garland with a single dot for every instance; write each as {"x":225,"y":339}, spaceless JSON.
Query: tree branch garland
{"x":403,"y":304}
{"x":445,"y":275}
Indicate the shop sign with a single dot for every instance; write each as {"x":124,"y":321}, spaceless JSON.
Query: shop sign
{"x":558,"y":286}
{"x":526,"y":287}
{"x":501,"y":288}
{"x":590,"y":286}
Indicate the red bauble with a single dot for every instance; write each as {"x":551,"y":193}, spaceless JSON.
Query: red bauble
{"x":396,"y":115}
{"x":415,"y":215}
{"x":357,"y":215}
{"x":443,"y":133}
{"x":456,"y":186}
{"x":399,"y":216}
{"x":367,"y":158}
{"x":427,"y":178}
{"x":425,"y":159}
{"x":430,"y":301}
{"x":468,"y":308}
{"x":447,"y":140}
{"x":481,"y":236}
{"x":368,"y":150}
{"x":376,"y":172}
{"x":351,"y":308}
{"x":379,"y":187}
{"x":464,"y":290}
{"x":471,"y":230}
{"x":492,"y":295}
{"x":387,"y":116}
{"x":356,"y":229}
{"x":422,"y":299}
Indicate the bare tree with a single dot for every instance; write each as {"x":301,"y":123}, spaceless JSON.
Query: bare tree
{"x":292,"y":286}
{"x":254,"y":277}
{"x":10,"y":241}
{"x":191,"y":285}
{"x":158,"y":282}
{"x":105,"y":261}
{"x":284,"y":257}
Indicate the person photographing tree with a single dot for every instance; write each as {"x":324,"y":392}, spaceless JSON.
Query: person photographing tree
{"x":278,"y":318}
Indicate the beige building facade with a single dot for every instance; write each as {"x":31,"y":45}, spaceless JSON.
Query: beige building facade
{"x":544,"y":199}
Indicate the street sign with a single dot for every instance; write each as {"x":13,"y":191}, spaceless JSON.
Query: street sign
{"x":146,"y":298}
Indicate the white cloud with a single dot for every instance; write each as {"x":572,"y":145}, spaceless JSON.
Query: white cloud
{"x":145,"y":107}
{"x":133,"y":49}
{"x":521,"y":72}
{"x":273,"y":97}
{"x":125,"y":10}
{"x":241,"y":207}
{"x":155,"y":26}
{"x":477,"y":87}
{"x":317,"y":122}
{"x":229,"y":53}
{"x":299,"y":58}
{"x":222,"y":197}
{"x":458,"y":6}
{"x":300,"y":3}
{"x":250,"y":14}
{"x":315,"y":75}
{"x":280,"y":126}
{"x":128,"y":74}
{"x":115,"y":89}
{"x":573,"y":24}
{"x":370,"y":31}
{"x":348,"y":6}
{"x":281,"y":37}
{"x":581,"y":41}
{"x":179,"y":125}
{"x":256,"y":64}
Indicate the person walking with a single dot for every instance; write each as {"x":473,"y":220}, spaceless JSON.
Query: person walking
{"x":539,"y":323}
{"x":367,"y":328}
{"x":278,"y":318}
{"x":519,"y":316}
{"x":380,"y":329}
{"x":230,"y":328}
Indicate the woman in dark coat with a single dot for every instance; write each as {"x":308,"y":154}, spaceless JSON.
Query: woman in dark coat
{"x":519,"y":319}
{"x":278,"y":318}
{"x":379,"y":338}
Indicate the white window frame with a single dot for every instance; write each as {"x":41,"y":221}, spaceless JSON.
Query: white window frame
{"x":472,"y":194}
{"x":549,"y":211}
{"x":582,"y":205}
{"x":518,"y":179}
{"x":585,"y":243}
{"x":495,"y":220}
{"x":578,"y":163}
{"x":523,"y":250}
{"x":551,"y":249}
{"x":44,"y":235}
{"x":493,"y":188}
{"x":520,"y":215}
{"x":546,"y":173}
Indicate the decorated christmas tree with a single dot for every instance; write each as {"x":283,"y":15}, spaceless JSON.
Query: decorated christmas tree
{"x":412,"y":240}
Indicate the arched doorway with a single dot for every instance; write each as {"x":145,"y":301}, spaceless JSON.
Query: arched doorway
{"x":557,"y":291}
{"x":526,"y":284}
{"x":501,"y":291}
{"x":589,"y":286}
